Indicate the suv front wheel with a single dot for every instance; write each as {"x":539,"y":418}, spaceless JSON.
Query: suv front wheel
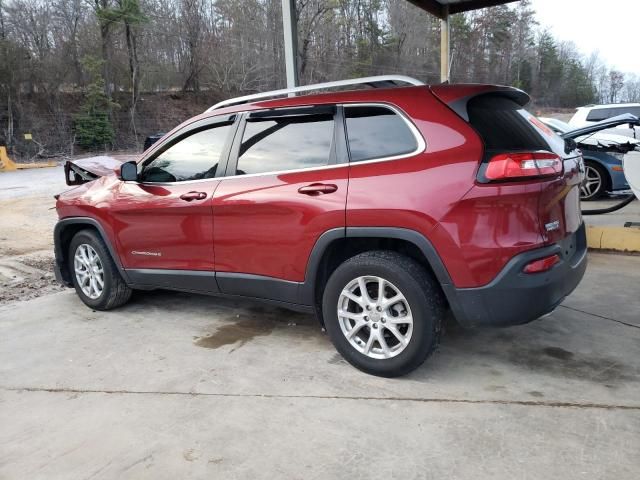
{"x":383,"y":312}
{"x":95,"y":276}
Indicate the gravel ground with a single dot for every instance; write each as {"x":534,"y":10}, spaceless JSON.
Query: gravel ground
{"x":26,"y":226}
{"x":27,"y":218}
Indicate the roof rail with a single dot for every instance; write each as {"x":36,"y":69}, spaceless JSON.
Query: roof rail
{"x":379,"y":81}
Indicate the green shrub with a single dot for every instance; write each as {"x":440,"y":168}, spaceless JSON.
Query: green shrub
{"x":92,"y":127}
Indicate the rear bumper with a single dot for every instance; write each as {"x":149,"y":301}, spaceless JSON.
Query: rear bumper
{"x":514,"y":297}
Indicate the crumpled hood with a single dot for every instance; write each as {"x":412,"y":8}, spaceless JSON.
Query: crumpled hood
{"x":609,"y":140}
{"x":88,"y":169}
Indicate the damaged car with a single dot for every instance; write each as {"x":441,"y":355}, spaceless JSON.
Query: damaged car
{"x":603,"y":154}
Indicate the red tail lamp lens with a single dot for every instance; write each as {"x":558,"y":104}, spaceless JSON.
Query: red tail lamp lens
{"x":523,"y":165}
{"x":542,"y":265}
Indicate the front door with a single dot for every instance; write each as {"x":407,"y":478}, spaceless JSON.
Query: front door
{"x":286,"y":188}
{"x":164,"y":221}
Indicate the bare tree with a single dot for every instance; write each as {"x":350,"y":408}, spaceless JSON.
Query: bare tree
{"x":192,"y":20}
{"x":616,"y":82}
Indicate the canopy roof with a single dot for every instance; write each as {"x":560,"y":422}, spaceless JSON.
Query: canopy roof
{"x":439,"y":7}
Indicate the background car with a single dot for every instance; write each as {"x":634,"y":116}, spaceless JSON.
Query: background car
{"x":595,"y":113}
{"x":603,"y":154}
{"x":151,"y":139}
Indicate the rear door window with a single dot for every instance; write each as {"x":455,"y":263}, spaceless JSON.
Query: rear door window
{"x":377,"y":132}
{"x":281,"y":143}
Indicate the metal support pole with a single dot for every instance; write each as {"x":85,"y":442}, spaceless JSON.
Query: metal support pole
{"x":290,"y":28}
{"x":444,"y":44}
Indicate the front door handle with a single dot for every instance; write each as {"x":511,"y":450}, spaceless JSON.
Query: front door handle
{"x":318,"y":189}
{"x":189,"y":196}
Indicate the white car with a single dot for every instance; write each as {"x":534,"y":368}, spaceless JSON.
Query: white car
{"x":595,"y":113}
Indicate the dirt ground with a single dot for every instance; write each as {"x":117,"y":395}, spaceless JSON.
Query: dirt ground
{"x":27,"y":218}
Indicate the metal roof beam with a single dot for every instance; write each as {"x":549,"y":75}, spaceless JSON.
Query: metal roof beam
{"x":435,"y":7}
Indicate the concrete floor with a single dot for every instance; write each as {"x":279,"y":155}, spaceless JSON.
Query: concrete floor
{"x":628,"y":213}
{"x":180,"y":386}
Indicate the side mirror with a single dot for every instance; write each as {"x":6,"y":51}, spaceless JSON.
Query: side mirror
{"x":129,"y":172}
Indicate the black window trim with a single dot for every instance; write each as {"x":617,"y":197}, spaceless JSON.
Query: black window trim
{"x":420,"y":141}
{"x":338,"y":154}
{"x":199,"y":125}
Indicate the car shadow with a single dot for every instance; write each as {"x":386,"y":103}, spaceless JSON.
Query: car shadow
{"x":540,"y":347}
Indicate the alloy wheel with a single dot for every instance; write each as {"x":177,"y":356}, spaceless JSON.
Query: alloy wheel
{"x":89,"y":271}
{"x":375,"y":317}
{"x":591,"y":184}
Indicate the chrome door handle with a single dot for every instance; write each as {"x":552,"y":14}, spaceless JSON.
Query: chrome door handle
{"x":318,"y":189}
{"x":189,"y":196}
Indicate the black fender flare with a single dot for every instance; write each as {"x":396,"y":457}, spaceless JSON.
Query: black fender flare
{"x":307,"y":291}
{"x":60,"y":254}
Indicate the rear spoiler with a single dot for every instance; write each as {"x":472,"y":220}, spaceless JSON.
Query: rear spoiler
{"x":457,"y":96}
{"x":603,"y":125}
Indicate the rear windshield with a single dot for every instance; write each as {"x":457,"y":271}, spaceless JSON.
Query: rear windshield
{"x":503,"y":124}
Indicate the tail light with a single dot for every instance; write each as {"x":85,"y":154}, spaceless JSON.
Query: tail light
{"x":520,"y":165}
{"x":542,"y":264}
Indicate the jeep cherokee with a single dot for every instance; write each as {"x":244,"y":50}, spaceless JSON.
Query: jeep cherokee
{"x":377,"y":209}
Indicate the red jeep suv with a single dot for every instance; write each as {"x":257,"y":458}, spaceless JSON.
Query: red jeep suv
{"x":378,"y":209}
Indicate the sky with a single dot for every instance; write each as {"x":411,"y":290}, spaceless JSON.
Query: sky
{"x":609,"y":26}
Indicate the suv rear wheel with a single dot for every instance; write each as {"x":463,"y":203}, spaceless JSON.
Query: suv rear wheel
{"x":383,"y":312}
{"x":95,"y":276}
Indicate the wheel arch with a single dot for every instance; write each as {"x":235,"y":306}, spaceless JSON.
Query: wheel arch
{"x":63,"y":233}
{"x":335,"y":246}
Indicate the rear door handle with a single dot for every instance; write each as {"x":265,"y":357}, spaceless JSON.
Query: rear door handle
{"x":318,"y":189}
{"x":189,"y":196}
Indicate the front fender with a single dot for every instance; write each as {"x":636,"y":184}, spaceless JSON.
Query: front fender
{"x":64,"y":231}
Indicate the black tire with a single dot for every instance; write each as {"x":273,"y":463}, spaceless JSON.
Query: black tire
{"x":605,"y":182}
{"x":115,"y":291}
{"x":422,"y":292}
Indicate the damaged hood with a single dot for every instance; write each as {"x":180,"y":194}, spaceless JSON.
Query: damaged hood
{"x":603,"y":125}
{"x":608,"y":140}
{"x":85,"y":170}
{"x":592,"y":137}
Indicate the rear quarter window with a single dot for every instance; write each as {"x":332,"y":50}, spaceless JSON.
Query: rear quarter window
{"x":377,"y":132}
{"x":505,"y":125}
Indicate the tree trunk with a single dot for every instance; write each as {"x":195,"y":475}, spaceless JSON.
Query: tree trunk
{"x":132,"y":50}
{"x":105,"y":41}
{"x":9,"y":120}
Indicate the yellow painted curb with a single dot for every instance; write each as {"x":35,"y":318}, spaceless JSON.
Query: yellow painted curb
{"x":6,"y":164}
{"x":613,"y":238}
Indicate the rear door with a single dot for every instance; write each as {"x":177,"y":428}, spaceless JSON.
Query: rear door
{"x":286,"y":185}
